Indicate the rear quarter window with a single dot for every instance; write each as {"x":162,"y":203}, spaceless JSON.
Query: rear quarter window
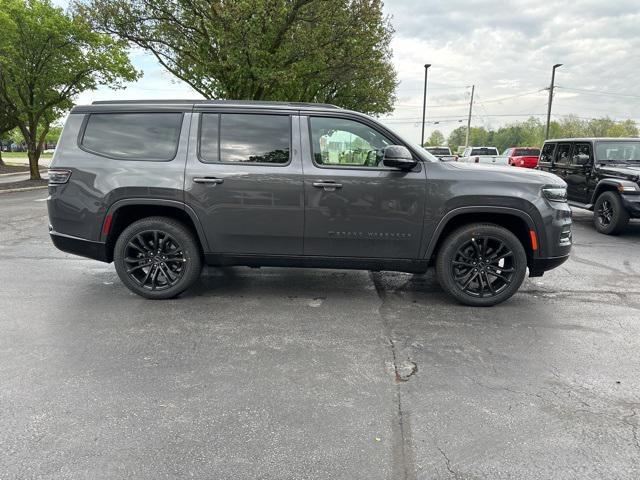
{"x":132,"y":136}
{"x":526,"y":152}
{"x":484,"y":151}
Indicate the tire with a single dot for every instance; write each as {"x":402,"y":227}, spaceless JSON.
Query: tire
{"x":157,"y":258}
{"x":609,"y":215}
{"x":487,"y":282}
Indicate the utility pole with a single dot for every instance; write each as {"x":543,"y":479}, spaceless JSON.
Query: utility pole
{"x":466,"y":141}
{"x":424,"y":102}
{"x":553,"y":79}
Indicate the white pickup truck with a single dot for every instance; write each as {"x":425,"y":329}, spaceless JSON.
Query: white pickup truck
{"x":483,"y":155}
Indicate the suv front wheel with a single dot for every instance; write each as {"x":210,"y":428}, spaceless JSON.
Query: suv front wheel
{"x":609,"y":215}
{"x":481,"y":264}
{"x":157,"y":257}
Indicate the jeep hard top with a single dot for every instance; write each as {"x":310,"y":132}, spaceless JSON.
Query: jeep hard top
{"x":602,"y":174}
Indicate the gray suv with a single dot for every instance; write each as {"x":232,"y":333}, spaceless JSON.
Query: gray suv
{"x":162,"y":187}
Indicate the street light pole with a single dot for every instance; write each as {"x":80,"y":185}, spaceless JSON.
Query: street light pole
{"x":553,"y":79}
{"x":466,"y":141}
{"x":424,"y":102}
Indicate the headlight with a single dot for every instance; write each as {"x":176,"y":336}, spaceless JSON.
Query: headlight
{"x":555,"y":193}
{"x":58,"y":176}
{"x":628,"y":188}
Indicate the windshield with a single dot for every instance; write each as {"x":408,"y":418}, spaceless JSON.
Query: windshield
{"x":438,"y":151}
{"x":618,"y":151}
{"x":484,"y":151}
{"x":526,"y":152}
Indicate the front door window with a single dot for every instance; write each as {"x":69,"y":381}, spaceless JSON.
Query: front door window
{"x":343,"y":143}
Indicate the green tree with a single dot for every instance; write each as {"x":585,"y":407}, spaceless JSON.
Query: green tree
{"x":436,"y":139}
{"x":294,"y":50}
{"x":46,"y":59}
{"x":456,"y":138}
{"x":7,"y":123}
{"x":626,"y":128}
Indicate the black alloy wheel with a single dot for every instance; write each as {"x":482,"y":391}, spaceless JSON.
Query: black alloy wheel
{"x":481,"y":264}
{"x":158,"y":257}
{"x":155,"y":260}
{"x":605,"y":213}
{"x":609,"y":214}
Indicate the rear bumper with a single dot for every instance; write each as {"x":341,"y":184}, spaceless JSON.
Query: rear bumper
{"x":80,"y":246}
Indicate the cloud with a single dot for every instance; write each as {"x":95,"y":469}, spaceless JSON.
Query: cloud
{"x":507,"y":49}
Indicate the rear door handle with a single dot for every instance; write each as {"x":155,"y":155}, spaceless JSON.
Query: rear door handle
{"x":328,"y":186}
{"x":208,"y":180}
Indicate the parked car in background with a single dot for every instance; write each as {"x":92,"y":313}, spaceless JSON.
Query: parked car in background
{"x":602,"y":174}
{"x":526,"y":157}
{"x":483,"y":155}
{"x":162,"y":187}
{"x":442,"y":153}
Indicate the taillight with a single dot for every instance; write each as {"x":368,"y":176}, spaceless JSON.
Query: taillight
{"x":58,"y":176}
{"x":477,"y":159}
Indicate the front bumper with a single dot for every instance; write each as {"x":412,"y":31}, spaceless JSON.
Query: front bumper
{"x":80,"y":246}
{"x":538,"y":266}
{"x":631,"y":204}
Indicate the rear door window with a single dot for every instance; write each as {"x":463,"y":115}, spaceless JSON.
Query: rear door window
{"x":245,"y":138}
{"x":563,"y":155}
{"x":133,"y":136}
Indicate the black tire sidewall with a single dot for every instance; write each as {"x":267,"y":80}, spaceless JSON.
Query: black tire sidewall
{"x":620,"y":215}
{"x":182,"y":235}
{"x":464,"y":234}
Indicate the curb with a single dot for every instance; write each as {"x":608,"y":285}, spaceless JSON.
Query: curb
{"x":25,"y":189}
{"x":26,"y":172}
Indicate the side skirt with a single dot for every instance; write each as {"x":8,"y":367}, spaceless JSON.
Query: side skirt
{"x":374,"y":264}
{"x":586,"y":206}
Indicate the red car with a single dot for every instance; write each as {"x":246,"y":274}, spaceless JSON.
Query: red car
{"x":526,"y":157}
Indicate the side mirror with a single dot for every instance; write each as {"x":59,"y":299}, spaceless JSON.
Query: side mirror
{"x":398,"y":156}
{"x":581,"y":159}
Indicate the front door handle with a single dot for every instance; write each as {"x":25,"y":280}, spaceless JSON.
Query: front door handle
{"x":328,"y":186}
{"x":213,"y":180}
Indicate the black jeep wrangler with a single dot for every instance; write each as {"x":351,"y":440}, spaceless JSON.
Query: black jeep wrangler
{"x":602,"y":174}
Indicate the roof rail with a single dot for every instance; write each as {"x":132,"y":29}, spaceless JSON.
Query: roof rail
{"x":216,"y":102}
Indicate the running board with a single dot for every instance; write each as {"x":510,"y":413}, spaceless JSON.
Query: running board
{"x":586,"y":206}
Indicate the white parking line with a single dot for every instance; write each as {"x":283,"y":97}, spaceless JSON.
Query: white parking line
{"x":41,"y":199}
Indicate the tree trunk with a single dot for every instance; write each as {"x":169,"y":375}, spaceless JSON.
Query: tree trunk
{"x":1,"y":161}
{"x":34,"y":157}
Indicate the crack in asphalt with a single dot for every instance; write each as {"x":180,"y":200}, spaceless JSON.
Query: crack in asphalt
{"x":404,"y":464}
{"x":634,"y":427}
{"x":447,"y":463}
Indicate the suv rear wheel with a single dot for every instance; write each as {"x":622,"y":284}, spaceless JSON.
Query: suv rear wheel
{"x":609,"y":215}
{"x":157,"y":257}
{"x":481,"y":264}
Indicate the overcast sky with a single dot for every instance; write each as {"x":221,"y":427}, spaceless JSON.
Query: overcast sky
{"x":505,"y":48}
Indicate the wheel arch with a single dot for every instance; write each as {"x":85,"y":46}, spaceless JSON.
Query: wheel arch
{"x":516,"y":221}
{"x":124,"y":212}
{"x":605,"y":185}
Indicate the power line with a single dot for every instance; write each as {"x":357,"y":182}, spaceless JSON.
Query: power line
{"x":435,"y":120}
{"x":465,"y":104}
{"x":599,"y":92}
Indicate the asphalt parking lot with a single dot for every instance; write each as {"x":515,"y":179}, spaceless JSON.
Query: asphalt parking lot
{"x":294,"y":373}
